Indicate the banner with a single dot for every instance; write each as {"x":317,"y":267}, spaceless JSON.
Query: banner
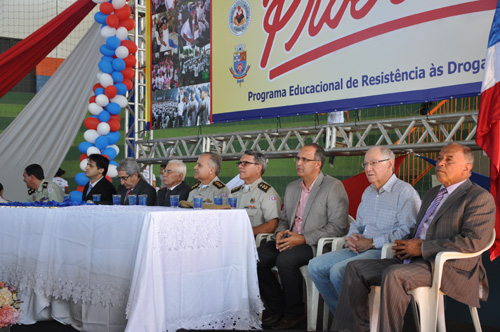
{"x":287,"y":57}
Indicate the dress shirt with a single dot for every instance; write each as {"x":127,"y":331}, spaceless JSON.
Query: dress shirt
{"x":304,"y":196}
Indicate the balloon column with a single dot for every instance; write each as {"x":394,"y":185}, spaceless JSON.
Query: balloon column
{"x":114,"y":80}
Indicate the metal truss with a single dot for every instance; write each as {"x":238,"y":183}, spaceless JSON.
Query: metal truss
{"x":410,"y":134}
{"x":135,"y":112}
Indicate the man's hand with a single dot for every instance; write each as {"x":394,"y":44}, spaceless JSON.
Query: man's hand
{"x":404,"y":249}
{"x":287,"y":240}
{"x":357,"y":243}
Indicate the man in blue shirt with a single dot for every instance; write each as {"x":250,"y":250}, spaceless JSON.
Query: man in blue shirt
{"x":387,"y":212}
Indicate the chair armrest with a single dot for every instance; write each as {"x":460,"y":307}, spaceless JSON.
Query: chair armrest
{"x":336,"y":242}
{"x":261,"y":238}
{"x":386,"y":251}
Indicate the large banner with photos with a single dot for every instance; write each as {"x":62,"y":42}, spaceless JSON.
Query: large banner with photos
{"x":286,"y":57}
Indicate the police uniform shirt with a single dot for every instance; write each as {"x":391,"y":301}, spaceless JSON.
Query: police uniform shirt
{"x":47,"y":191}
{"x":214,"y":188}
{"x":260,"y":200}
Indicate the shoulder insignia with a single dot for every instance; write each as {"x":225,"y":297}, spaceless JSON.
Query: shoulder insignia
{"x":235,"y":189}
{"x":264,"y":187}
{"x":219,"y":184}
{"x":196,"y":185}
{"x":45,"y":185}
{"x":31,"y":191}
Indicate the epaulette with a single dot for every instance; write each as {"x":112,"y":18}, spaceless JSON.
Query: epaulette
{"x":31,"y":191}
{"x":264,"y":186}
{"x":196,"y":185}
{"x":235,"y":189}
{"x":219,"y":184}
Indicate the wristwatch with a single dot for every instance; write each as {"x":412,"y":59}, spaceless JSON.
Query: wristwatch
{"x":373,"y":245}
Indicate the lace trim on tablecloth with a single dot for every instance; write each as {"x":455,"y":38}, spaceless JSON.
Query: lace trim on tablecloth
{"x":229,"y":320}
{"x":60,"y":287}
{"x":186,"y":235}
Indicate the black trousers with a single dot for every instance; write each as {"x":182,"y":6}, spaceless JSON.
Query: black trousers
{"x":286,"y":298}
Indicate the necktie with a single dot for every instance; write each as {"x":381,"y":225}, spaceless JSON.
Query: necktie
{"x":90,"y":189}
{"x":435,"y":203}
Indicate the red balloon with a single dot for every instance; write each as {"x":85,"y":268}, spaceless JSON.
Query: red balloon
{"x":106,"y":8}
{"x":114,"y":125}
{"x":115,"y":117}
{"x":123,"y":13}
{"x":128,"y":73}
{"x":91,"y":123}
{"x":128,"y":24}
{"x":83,"y":156}
{"x":105,"y":156}
{"x":128,"y":83}
{"x":92,"y":100}
{"x":107,"y":176}
{"x":80,"y":188}
{"x":130,"y":61}
{"x":110,"y":91}
{"x":132,"y":47}
{"x":112,"y":21}
{"x":96,"y":86}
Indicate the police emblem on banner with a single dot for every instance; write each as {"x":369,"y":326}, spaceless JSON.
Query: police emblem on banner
{"x":239,"y":17}
{"x":240,"y":68}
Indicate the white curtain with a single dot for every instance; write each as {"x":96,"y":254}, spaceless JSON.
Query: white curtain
{"x":45,"y":130}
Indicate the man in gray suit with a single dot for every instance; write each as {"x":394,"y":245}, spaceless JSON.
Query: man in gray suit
{"x":456,"y":216}
{"x":315,"y":206}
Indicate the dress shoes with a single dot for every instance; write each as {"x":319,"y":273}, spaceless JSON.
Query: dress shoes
{"x":287,"y":323}
{"x":272,"y":319}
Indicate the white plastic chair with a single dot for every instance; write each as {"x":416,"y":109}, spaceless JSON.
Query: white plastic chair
{"x":428,"y":304}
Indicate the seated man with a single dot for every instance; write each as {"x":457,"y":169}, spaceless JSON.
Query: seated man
{"x":206,"y":171}
{"x":387,"y":212}
{"x":132,"y":183}
{"x":173,"y":178}
{"x":259,"y":199}
{"x":41,"y":190}
{"x":315,"y":206}
{"x":456,"y":216}
{"x":96,"y":169}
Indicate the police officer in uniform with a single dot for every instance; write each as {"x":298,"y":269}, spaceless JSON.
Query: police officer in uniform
{"x":206,"y":171}
{"x":259,"y":199}
{"x":41,"y":190}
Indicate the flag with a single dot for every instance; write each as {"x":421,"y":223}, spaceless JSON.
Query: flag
{"x":488,"y":126}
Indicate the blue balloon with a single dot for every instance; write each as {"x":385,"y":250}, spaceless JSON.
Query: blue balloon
{"x":105,"y":66}
{"x":94,"y":116}
{"x":104,"y":116}
{"x":117,"y":77}
{"x":107,"y":58}
{"x":83,"y":146}
{"x":100,"y":17}
{"x":113,"y":42}
{"x":112,"y":162}
{"x":113,"y":108}
{"x":76,"y":196}
{"x":118,"y":64}
{"x":113,"y":137}
{"x":110,"y":152}
{"x":101,"y":142}
{"x":121,"y":88}
{"x":105,"y":50}
{"x":99,"y":91}
{"x":81,"y":179}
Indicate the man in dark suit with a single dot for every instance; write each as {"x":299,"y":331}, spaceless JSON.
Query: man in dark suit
{"x":96,"y":169}
{"x":315,"y":206}
{"x":456,"y":216}
{"x":173,"y":178}
{"x":132,"y":182}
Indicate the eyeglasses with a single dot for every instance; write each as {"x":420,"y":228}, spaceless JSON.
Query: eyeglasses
{"x":373,"y":163}
{"x":124,"y":178}
{"x":245,"y":163}
{"x":303,"y":160}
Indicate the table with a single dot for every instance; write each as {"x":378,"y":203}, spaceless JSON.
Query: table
{"x":132,"y":268}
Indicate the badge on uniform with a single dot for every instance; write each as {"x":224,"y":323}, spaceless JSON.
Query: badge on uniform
{"x":50,"y":190}
{"x":272,"y":198}
{"x":252,"y":200}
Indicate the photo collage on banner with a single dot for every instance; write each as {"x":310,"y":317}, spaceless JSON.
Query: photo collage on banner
{"x":180,"y":75}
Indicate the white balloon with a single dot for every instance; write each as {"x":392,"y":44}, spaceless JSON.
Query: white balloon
{"x":99,"y":73}
{"x":112,"y":172}
{"x":90,"y":136}
{"x":102,"y":100}
{"x":83,"y":164}
{"x":99,"y":1}
{"x":103,"y":128}
{"x":106,"y":80}
{"x":117,"y":149}
{"x":93,"y":150}
{"x":94,"y":108}
{"x":120,"y":100}
{"x":117,"y":4}
{"x":108,"y":31}
{"x":122,"y":33}
{"x":121,"y":52}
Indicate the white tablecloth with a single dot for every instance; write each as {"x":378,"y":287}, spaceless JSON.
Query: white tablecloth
{"x":169,"y":268}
